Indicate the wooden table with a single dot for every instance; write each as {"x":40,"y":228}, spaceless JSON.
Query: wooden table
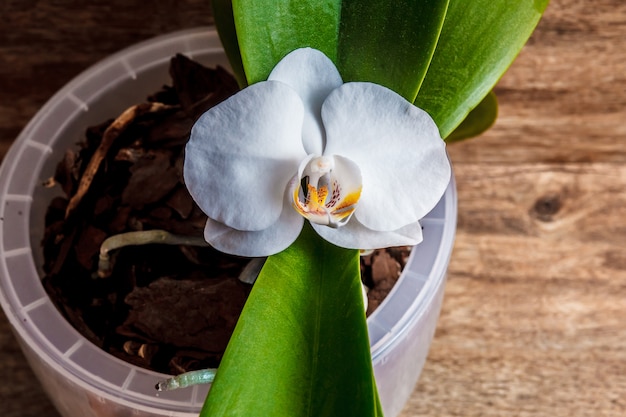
{"x":534,"y":317}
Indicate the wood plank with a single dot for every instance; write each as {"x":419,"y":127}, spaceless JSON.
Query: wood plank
{"x":533,"y":317}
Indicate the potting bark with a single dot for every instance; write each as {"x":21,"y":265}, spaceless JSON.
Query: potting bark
{"x":166,"y":308}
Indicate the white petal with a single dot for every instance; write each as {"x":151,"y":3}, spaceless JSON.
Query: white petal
{"x":398,"y":148}
{"x":356,"y":236}
{"x":313,"y":75}
{"x":242,"y":154}
{"x":265,"y":242}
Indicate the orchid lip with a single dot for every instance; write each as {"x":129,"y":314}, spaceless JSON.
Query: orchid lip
{"x":327,"y":190}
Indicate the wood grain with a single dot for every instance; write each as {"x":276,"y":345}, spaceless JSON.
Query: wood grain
{"x":533,"y":319}
{"x":534,"y":315}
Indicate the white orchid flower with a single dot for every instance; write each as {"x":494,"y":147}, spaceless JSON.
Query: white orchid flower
{"x":357,"y":160}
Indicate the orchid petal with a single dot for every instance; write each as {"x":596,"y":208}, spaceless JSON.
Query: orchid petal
{"x":242,"y":154}
{"x":313,"y":76}
{"x":356,"y":236}
{"x":398,"y":148}
{"x":269,"y":241}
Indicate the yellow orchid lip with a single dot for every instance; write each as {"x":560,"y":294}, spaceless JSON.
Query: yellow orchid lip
{"x":326,"y":195}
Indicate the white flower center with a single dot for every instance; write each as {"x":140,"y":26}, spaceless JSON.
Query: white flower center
{"x":328,"y":190}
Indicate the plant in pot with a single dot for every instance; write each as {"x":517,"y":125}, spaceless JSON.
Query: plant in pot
{"x":325,"y":153}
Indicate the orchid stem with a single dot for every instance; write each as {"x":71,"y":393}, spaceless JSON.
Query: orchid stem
{"x":143,"y":237}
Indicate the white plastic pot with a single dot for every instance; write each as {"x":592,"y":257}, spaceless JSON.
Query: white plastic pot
{"x":81,"y":379}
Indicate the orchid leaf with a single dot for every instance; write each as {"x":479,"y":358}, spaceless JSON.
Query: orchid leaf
{"x":478,"y":42}
{"x":269,"y":29}
{"x":389,"y":42}
{"x":225,"y":24}
{"x":481,"y":118}
{"x":300,"y":347}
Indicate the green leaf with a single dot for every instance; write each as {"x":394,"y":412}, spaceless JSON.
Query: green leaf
{"x":270,"y":29}
{"x":300,"y":347}
{"x":481,"y":118}
{"x":478,"y":42}
{"x":225,"y":24}
{"x":389,"y":42}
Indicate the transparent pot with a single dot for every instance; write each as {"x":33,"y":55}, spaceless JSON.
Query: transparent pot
{"x":81,"y":379}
